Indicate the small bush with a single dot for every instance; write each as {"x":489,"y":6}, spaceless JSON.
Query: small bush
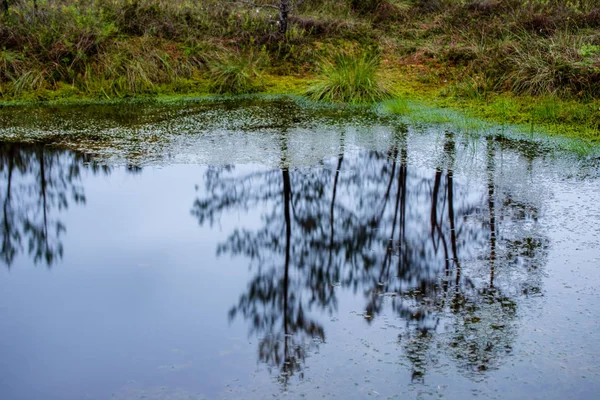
{"x":350,"y":78}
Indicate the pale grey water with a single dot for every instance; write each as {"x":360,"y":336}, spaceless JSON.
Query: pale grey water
{"x":268,"y":249}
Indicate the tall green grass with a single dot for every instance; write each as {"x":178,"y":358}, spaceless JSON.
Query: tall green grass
{"x":474,"y":50}
{"x":350,"y":78}
{"x":564,"y":64}
{"x":237,"y":72}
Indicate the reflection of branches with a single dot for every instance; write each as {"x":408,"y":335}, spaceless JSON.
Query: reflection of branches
{"x":387,"y":230}
{"x":38,"y":183}
{"x":481,"y":319}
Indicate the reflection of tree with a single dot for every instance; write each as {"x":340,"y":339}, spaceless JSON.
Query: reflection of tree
{"x":37,"y":184}
{"x":274,"y":301}
{"x":477,"y":315}
{"x":371,"y":223}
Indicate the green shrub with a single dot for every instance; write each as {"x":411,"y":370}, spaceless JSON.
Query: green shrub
{"x":350,"y":78}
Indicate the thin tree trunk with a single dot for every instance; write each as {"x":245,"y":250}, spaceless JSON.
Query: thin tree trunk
{"x":284,"y":11}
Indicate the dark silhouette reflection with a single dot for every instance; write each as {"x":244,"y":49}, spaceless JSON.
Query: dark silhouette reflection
{"x":289,"y":280}
{"x":37,"y":184}
{"x":439,"y":253}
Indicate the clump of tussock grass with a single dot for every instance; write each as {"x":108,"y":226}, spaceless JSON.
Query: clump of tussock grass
{"x":236,"y":72}
{"x":29,"y":81}
{"x":563,"y":64}
{"x":137,"y":66}
{"x":11,"y":65}
{"x":350,"y":78}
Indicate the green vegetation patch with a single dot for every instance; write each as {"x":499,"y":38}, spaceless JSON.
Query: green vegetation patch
{"x":350,"y":78}
{"x":528,"y":62}
{"x":237,"y":73}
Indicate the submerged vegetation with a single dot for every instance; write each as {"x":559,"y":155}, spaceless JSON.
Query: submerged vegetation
{"x":518,"y":61}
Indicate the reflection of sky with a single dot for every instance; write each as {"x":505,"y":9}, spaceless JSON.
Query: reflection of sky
{"x":139,"y":290}
{"x":140,"y":300}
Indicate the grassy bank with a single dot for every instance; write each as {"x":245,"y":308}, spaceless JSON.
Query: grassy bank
{"x":513,"y":61}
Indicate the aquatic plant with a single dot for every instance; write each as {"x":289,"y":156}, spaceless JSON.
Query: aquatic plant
{"x":349,"y":78}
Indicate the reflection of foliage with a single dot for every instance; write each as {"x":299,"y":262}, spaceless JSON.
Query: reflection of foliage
{"x":274,"y":301}
{"x":483,"y":332}
{"x":371,"y":223}
{"x":37,"y":184}
{"x":477,"y":318}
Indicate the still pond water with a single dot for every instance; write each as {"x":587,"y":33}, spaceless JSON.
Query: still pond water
{"x":257,"y":250}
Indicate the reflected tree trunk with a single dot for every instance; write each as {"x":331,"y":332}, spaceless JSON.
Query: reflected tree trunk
{"x":7,"y":247}
{"x":436,"y":226}
{"x":399,"y":215}
{"x":452,"y":225}
{"x":449,"y":148}
{"x":287,"y":213}
{"x":402,"y":183}
{"x":393,"y":154}
{"x":43,"y":193}
{"x":491,"y":207}
{"x":38,"y":184}
{"x":287,"y":198}
{"x":333,"y":195}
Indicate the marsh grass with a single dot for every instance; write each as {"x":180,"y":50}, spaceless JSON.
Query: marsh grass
{"x":350,"y":78}
{"x":559,"y":65}
{"x":503,"y":59}
{"x":533,"y":47}
{"x":237,"y":72}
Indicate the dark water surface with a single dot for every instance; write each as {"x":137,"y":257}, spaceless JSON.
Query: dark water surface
{"x":269,"y":251}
